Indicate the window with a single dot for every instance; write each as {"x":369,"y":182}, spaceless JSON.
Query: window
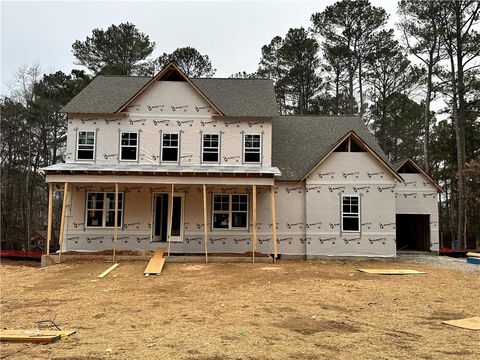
{"x":350,"y":213}
{"x":170,"y":147}
{"x":252,"y":148}
{"x":210,"y":147}
{"x":86,"y":145}
{"x":230,"y":212}
{"x":128,"y":146}
{"x":101,"y":209}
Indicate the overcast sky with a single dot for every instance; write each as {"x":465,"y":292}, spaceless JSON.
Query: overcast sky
{"x":231,"y":33}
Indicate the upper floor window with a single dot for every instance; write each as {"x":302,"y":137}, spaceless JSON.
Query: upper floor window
{"x":230,"y":211}
{"x":252,"y":148}
{"x":210,"y":147}
{"x":101,"y":209}
{"x":129,"y":146}
{"x":86,"y":145}
{"x":350,"y":213}
{"x":170,"y":145}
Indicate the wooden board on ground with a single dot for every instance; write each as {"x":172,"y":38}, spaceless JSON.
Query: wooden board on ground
{"x":472,"y":323}
{"x":473,"y":254}
{"x":34,"y":336}
{"x":106,"y":272}
{"x":155,"y":265}
{"x":391,"y":271}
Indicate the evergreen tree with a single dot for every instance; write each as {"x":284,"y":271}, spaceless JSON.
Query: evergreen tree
{"x":119,"y":50}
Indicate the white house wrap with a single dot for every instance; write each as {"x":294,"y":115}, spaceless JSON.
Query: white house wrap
{"x":335,"y":192}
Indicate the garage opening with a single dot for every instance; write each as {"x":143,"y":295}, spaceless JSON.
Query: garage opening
{"x":413,"y":232}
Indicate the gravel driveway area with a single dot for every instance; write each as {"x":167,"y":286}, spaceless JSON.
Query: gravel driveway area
{"x":446,"y":262}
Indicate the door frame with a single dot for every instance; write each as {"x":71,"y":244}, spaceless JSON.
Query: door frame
{"x":182,"y":219}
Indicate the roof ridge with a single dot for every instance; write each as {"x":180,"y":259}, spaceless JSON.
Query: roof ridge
{"x":228,"y":78}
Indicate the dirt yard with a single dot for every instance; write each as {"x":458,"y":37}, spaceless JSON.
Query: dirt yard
{"x":289,"y":310}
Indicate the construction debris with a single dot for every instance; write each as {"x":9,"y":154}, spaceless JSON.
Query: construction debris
{"x":34,"y":336}
{"x":155,"y":265}
{"x":472,"y":323}
{"x":391,"y":271}
{"x":106,"y":272}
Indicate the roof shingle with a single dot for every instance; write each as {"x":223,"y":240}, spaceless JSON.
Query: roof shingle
{"x":234,"y":97}
{"x":300,"y":142}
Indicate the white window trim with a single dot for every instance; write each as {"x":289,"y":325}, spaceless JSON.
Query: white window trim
{"x":169,"y":147}
{"x":129,"y":146}
{"x":104,"y":210}
{"x":229,"y":212}
{"x":260,"y":149}
{"x":78,"y":143}
{"x":352,"y":215}
{"x":218,"y":149}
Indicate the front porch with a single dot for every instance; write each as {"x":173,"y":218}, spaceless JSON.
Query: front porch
{"x":185,"y":215}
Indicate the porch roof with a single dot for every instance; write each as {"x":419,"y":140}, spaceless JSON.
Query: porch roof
{"x":155,"y":174}
{"x":143,"y":169}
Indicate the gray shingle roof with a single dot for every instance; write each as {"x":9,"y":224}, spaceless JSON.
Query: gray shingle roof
{"x":234,"y":97}
{"x":240,"y":97}
{"x":105,"y":94}
{"x":300,"y":142}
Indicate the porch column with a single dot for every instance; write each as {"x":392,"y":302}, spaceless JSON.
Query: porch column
{"x":274,"y":223}
{"x":62,"y":221}
{"x":205,"y":227}
{"x":115,"y":223}
{"x":50,"y":217}
{"x":170,"y":220}
{"x":254,"y":221}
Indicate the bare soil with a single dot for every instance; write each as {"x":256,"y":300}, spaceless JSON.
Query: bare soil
{"x":288,"y":310}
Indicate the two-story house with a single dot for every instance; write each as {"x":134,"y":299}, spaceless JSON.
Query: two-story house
{"x":208,"y":166}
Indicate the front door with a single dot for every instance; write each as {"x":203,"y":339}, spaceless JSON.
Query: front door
{"x":161,"y":217}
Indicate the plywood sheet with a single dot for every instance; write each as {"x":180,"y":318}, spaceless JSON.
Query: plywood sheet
{"x":155,"y":265}
{"x":34,"y":336}
{"x":391,"y":271}
{"x":472,"y":323}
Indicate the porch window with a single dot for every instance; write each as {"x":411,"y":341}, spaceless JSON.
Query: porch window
{"x":101,"y":209}
{"x":210,"y":147}
{"x":230,"y":211}
{"x":170,"y":147}
{"x":350,"y":213}
{"x":252,"y":145}
{"x":129,"y":146}
{"x":86,"y":145}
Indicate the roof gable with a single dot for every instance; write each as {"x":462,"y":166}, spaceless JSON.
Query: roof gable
{"x":404,"y":166}
{"x":301,"y":142}
{"x":349,"y":138}
{"x":169,"y":72}
{"x":231,"y":97}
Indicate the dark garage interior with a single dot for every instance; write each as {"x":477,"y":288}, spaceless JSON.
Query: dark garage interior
{"x":413,"y":232}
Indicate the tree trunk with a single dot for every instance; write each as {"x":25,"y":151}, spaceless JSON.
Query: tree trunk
{"x":360,"y":80}
{"x":426,"y":141}
{"x":460,"y":128}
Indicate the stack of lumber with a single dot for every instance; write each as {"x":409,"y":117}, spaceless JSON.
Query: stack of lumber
{"x":473,"y":258}
{"x":34,"y":336}
{"x":155,"y":265}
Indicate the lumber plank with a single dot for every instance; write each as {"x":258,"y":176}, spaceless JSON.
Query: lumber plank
{"x":391,"y":271}
{"x":34,"y":336}
{"x":155,"y":265}
{"x":472,"y":323}
{"x":106,"y":272}
{"x":50,"y":217}
{"x":205,"y":227}
{"x":274,"y":223}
